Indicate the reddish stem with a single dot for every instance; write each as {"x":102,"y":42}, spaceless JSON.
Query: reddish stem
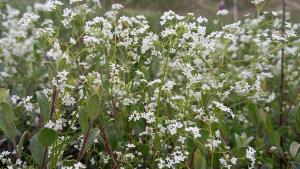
{"x":44,"y":158}
{"x":85,"y":139}
{"x":107,"y":146}
{"x":18,"y":156}
{"x":53,"y":97}
{"x":282,"y":116}
{"x":193,"y":157}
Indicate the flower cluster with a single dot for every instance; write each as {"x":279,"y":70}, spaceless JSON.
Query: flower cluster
{"x":89,"y":91}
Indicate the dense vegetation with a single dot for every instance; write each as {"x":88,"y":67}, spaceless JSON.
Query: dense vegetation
{"x":85,"y":91}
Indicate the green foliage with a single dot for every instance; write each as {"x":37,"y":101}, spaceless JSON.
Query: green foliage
{"x":195,"y":94}
{"x":94,"y":106}
{"x":7,"y":120}
{"x":93,"y":135}
{"x":44,"y":106}
{"x":36,"y":148}
{"x":47,"y":136}
{"x":83,"y":120}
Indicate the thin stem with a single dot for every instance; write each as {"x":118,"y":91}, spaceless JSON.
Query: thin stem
{"x":53,"y":98}
{"x":191,"y":165}
{"x":85,"y":139}
{"x":42,"y":166}
{"x":281,"y":120}
{"x":107,"y":146}
{"x":113,"y":107}
{"x":18,"y":156}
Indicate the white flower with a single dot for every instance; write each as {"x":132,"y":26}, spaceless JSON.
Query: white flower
{"x":168,"y":32}
{"x":250,"y":154}
{"x":273,"y":149}
{"x":167,"y":16}
{"x":14,"y":99}
{"x":72,"y":41}
{"x":68,"y":100}
{"x":130,"y":145}
{"x":173,"y":126}
{"x":233,"y":160}
{"x":222,"y":12}
{"x":55,"y":53}
{"x":148,"y":42}
{"x":194,"y":130}
{"x":79,"y":165}
{"x":223,"y":108}
{"x":49,"y":124}
{"x":201,"y":19}
{"x":18,"y":162}
{"x":257,"y":2}
{"x":62,"y":76}
{"x":50,"y":5}
{"x":116,"y":6}
{"x":27,"y":104}
{"x":28,"y":18}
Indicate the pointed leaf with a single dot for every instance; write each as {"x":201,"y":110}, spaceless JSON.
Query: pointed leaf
{"x":51,"y":70}
{"x":199,"y":160}
{"x":93,"y":106}
{"x":20,"y":145}
{"x":83,"y":120}
{"x":44,"y":106}
{"x":36,"y":149}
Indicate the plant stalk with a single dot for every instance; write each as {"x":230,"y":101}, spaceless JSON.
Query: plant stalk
{"x":282,"y":115}
{"x":107,"y":146}
{"x":18,"y":156}
{"x":85,"y":139}
{"x":53,"y":98}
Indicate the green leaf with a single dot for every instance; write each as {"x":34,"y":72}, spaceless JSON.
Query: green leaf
{"x":44,"y":106}
{"x":9,"y":130}
{"x":199,"y":160}
{"x":47,"y":136}
{"x":69,"y":163}
{"x":190,"y":144}
{"x":7,"y":118}
{"x":93,"y":107}
{"x":275,"y":138}
{"x":83,"y":120}
{"x":8,"y":112}
{"x":36,"y":149}
{"x":4,"y":95}
{"x":61,"y":64}
{"x":267,"y":123}
{"x":51,"y":70}
{"x":143,"y":148}
{"x":20,"y":145}
{"x":237,"y":140}
{"x":297,"y":117}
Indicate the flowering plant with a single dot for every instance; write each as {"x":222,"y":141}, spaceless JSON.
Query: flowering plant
{"x":85,"y":91}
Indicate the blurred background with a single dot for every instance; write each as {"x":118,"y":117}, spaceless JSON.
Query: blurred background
{"x":153,"y":9}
